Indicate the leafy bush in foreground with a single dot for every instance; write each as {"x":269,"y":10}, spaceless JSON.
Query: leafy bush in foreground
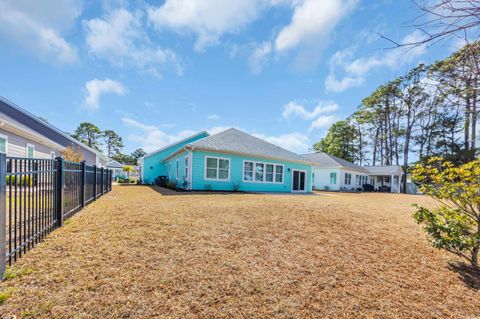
{"x":455,"y":224}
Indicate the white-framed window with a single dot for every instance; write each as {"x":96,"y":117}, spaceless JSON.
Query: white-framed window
{"x":177,"y":165}
{"x":348,"y":178}
{"x":186,"y":167}
{"x":259,"y":170}
{"x":333,"y":178}
{"x":278,"y":173}
{"x":52,"y":155}
{"x":217,"y":168}
{"x":3,"y":143}
{"x":30,"y":151}
{"x":262,"y":172}
{"x":357,"y":179}
{"x":248,"y":171}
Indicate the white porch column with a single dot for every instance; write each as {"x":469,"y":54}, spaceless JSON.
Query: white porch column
{"x":399,"y":183}
{"x":391,"y":183}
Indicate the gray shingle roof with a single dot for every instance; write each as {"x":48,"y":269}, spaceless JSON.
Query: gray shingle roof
{"x":327,"y":160}
{"x":385,"y":170}
{"x":235,"y":141}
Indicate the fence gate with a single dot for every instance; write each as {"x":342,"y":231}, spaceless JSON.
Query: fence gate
{"x":37,"y":195}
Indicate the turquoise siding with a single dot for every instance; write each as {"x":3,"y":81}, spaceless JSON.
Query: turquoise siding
{"x":154,"y":166}
{"x":236,"y":174}
{"x":170,"y":167}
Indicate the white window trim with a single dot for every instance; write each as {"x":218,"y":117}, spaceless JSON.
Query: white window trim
{"x":330,"y":177}
{"x":186,"y":163}
{"x":6,"y":142}
{"x":345,"y":179}
{"x":291,"y":182}
{"x":52,"y":154}
{"x":177,"y":167}
{"x":218,"y":168}
{"x":26,"y":150}
{"x":264,"y":172}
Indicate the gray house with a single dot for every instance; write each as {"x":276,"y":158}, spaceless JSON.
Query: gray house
{"x":23,"y":134}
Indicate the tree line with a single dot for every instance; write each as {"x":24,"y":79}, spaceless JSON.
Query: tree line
{"x":112,"y":143}
{"x":430,"y":111}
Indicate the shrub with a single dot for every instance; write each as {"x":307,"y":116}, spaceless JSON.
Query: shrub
{"x":326,"y":188}
{"x":208,"y":187}
{"x":171,"y":185}
{"x":455,"y":224}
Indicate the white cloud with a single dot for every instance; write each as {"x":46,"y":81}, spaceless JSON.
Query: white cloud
{"x":294,"y":109}
{"x":311,"y":21}
{"x":120,"y":39}
{"x":96,"y":88}
{"x":213,"y":117}
{"x":356,"y":70}
{"x":324,"y":121}
{"x":38,"y":27}
{"x":294,"y":142}
{"x":150,"y":137}
{"x":259,"y":57}
{"x":335,"y":85}
{"x":207,"y":19}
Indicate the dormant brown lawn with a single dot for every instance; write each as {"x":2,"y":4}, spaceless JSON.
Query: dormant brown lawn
{"x":136,"y":253}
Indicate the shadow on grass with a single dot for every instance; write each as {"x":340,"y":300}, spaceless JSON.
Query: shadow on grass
{"x":170,"y":192}
{"x":469,"y":275}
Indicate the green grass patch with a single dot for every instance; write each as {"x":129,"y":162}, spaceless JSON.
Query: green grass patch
{"x":12,"y":273}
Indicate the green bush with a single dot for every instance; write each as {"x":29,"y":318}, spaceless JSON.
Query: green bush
{"x":171,"y":185}
{"x":22,"y":181}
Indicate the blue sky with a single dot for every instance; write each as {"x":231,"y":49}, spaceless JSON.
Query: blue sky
{"x":157,"y":71}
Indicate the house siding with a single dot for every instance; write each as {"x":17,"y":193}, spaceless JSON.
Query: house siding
{"x":17,"y":146}
{"x":153,"y":165}
{"x":43,"y":130}
{"x":236,"y":174}
{"x":321,"y":178}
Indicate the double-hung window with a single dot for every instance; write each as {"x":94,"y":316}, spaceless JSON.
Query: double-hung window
{"x":217,"y":168}
{"x":357,"y":179}
{"x":269,"y":170}
{"x":248,"y":171}
{"x":177,"y":165}
{"x":278,"y":174}
{"x":348,"y":178}
{"x":259,"y":167}
{"x":333,"y":178}
{"x":3,"y":144}
{"x":262,"y":172}
{"x":30,"y":150}
{"x":186,"y":168}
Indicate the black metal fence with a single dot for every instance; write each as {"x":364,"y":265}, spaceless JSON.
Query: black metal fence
{"x":37,"y":195}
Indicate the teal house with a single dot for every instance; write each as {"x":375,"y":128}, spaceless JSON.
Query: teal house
{"x":228,"y":161}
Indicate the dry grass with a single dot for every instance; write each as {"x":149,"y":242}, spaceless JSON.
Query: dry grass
{"x":139,"y":254}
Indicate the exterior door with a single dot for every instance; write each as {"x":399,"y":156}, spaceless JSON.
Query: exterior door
{"x":298,"y":181}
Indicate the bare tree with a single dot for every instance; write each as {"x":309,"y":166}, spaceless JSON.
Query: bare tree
{"x":444,"y":19}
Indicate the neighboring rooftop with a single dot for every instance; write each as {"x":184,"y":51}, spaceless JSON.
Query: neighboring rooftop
{"x":385,"y":170}
{"x":330,"y":161}
{"x":42,"y":127}
{"x":236,"y":141}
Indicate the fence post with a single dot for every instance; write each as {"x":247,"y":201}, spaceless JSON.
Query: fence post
{"x":83,"y":178}
{"x":94,"y":182}
{"x":59,"y":191}
{"x":3,"y":214}
{"x":101,"y":180}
